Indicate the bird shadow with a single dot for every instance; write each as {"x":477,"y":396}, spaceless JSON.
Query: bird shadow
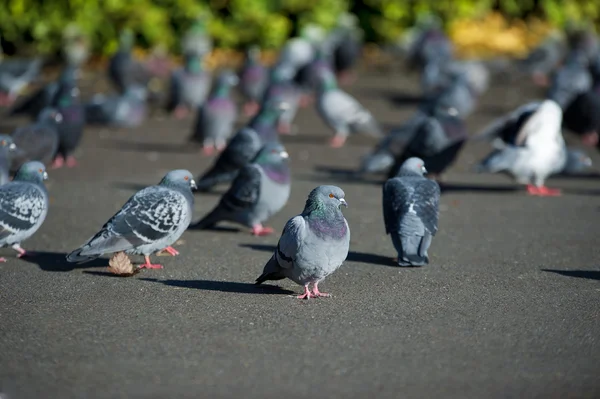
{"x":57,"y":262}
{"x":221,"y":229}
{"x":129,"y":186}
{"x":399,"y":99}
{"x":346,"y":174}
{"x":457,"y":187}
{"x":105,"y":274}
{"x":353,"y":256}
{"x":303,"y":139}
{"x":588,"y":274}
{"x":136,"y":146}
{"x":223,"y":286}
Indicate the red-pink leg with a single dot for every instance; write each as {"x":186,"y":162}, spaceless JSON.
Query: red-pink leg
{"x":532,"y":190}
{"x":181,"y":111}
{"x":307,"y":294}
{"x":149,"y":265}
{"x":21,"y":251}
{"x":260,"y":230}
{"x":346,"y":78}
{"x":337,"y":141}
{"x":284,"y":128}
{"x":317,"y":293}
{"x":251,"y":108}
{"x":2,"y":260}
{"x":305,"y":100}
{"x":540,"y":79}
{"x":590,"y":139}
{"x":221,"y":147}
{"x":71,"y":161}
{"x":172,"y":251}
{"x":208,"y":150}
{"x":58,"y":162}
{"x":548,"y":192}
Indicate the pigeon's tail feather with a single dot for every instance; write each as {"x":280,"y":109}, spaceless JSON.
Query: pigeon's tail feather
{"x":77,"y":257}
{"x":272,"y":271}
{"x":408,"y":248}
{"x":208,"y":221}
{"x":214,"y":177}
{"x":376,"y":163}
{"x":101,"y":243}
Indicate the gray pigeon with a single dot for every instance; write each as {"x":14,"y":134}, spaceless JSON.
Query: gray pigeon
{"x":254,"y":78}
{"x":150,"y":221}
{"x":341,"y":112}
{"x":313,"y":244}
{"x":217,"y":116}
{"x":7,"y":151}
{"x":38,"y":141}
{"x":123,"y":70}
{"x":282,"y":90}
{"x":259,"y":191}
{"x":124,"y":110}
{"x":577,"y":162}
{"x":16,"y":75}
{"x":23,"y":206}
{"x":189,"y":86}
{"x":571,"y":80}
{"x":410,"y":212}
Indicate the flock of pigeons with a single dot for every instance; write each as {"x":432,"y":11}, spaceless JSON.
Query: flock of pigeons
{"x":528,"y":144}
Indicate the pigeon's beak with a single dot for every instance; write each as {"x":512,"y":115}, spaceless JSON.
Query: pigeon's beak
{"x":423,"y":170}
{"x":12,"y":146}
{"x":284,"y":154}
{"x":284,"y":106}
{"x":193,"y":184}
{"x":343,"y":202}
{"x":45,"y":175}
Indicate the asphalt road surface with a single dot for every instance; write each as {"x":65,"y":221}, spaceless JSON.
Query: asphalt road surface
{"x":508,"y":307}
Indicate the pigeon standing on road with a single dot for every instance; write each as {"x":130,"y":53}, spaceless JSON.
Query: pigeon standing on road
{"x":216,"y":117}
{"x":411,"y":212}
{"x":189,"y":86}
{"x":254,"y":79}
{"x":341,"y":112}
{"x":23,"y":206}
{"x":125,"y":110}
{"x":123,"y":70}
{"x":259,"y":191}
{"x":197,"y":39}
{"x":15,"y":76}
{"x":76,"y":47}
{"x":7,"y":151}
{"x":38,"y":141}
{"x":152,"y":220}
{"x":281,"y":90}
{"x":70,"y":129}
{"x":313,"y":244}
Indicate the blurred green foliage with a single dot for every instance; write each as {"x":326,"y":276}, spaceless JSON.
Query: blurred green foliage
{"x":39,"y":24}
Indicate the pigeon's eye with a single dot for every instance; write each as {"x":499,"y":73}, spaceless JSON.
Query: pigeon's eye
{"x":186,"y":178}
{"x":331,"y":196}
{"x":41,"y":170}
{"x":274,"y":151}
{"x":3,"y":142}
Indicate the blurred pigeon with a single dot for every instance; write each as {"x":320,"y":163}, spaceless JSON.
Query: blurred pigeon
{"x":216,"y":118}
{"x":243,"y":147}
{"x":123,"y":70}
{"x":341,"y":112}
{"x":313,"y":244}
{"x":437,"y":141}
{"x":572,"y":79}
{"x":281,"y":90}
{"x":345,"y":43}
{"x":577,"y":162}
{"x":197,"y":40}
{"x":150,"y":221}
{"x":23,"y":206}
{"x":7,"y":149}
{"x":431,"y":44}
{"x":437,"y":76}
{"x":76,"y":47}
{"x":70,"y":128}
{"x":458,"y":97}
{"x":259,"y":191}
{"x":537,"y":151}
{"x":298,"y":52}
{"x":254,"y":79}
{"x":582,"y":116}
{"x":189,"y":86}
{"x":125,"y":110}
{"x":542,"y":60}
{"x":38,"y":141}
{"x":15,"y":76}
{"x":411,"y":212}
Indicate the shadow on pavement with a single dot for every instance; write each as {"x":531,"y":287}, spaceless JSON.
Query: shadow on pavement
{"x":125,"y":145}
{"x":353,"y":256}
{"x":457,"y":187}
{"x":219,"y":229}
{"x":589,"y":274}
{"x":57,"y":262}
{"x":223,"y":286}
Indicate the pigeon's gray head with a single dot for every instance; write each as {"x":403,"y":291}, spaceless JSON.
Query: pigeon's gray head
{"x":413,"y":166}
{"x":126,"y":39}
{"x":325,"y":198}
{"x":577,"y":161}
{"x":32,"y":171}
{"x":253,"y":53}
{"x":271,"y":153}
{"x":179,"y":178}
{"x":7,"y":143}
{"x":50,"y":115}
{"x":227,"y":78}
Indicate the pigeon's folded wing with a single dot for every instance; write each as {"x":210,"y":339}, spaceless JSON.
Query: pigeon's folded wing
{"x":426,"y":204}
{"x":395,"y":198}
{"x":498,"y":127}
{"x":244,"y":191}
{"x":422,"y":198}
{"x":291,"y":240}
{"x":20,"y":208}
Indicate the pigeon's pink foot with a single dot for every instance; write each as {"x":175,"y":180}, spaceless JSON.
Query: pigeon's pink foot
{"x":221,"y":147}
{"x":346,"y":78}
{"x":318,"y":294}
{"x":208,"y":150}
{"x":2,"y":260}
{"x":172,"y":251}
{"x":149,"y":265}
{"x":181,"y":112}
{"x":337,"y":141}
{"x":307,"y":294}
{"x":540,"y":79}
{"x":71,"y":161}
{"x":6,"y":100}
{"x":251,"y":108}
{"x":259,"y":230}
{"x":543,"y":191}
{"x":21,"y":251}
{"x":305,"y":100}
{"x":284,"y":128}
{"x":590,"y":139}
{"x":58,"y":162}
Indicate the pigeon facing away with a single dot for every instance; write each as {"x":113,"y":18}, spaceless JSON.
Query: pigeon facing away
{"x":254,"y":79}
{"x":411,"y":212}
{"x":341,"y":112}
{"x":7,"y":149}
{"x":23,"y":206}
{"x":313,"y":244}
{"x":189,"y":86}
{"x":152,"y":220}
{"x":216,"y":118}
{"x":536,"y":152}
{"x":259,"y":191}
{"x":38,"y":141}
{"x":125,"y":110}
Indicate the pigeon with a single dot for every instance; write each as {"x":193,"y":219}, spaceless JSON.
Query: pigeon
{"x":345,"y":44}
{"x":411,"y":212}
{"x":254,"y":79}
{"x":197,"y":40}
{"x":572,"y":79}
{"x":458,"y":97}
{"x":15,"y":76}
{"x":341,"y":112}
{"x":243,"y":147}
{"x":438,"y":76}
{"x":282,"y":90}
{"x":189,"y":86}
{"x":216,"y":117}
{"x":313,"y":244}
{"x":7,"y":149}
{"x":298,"y":52}
{"x":431,"y":44}
{"x":536,"y":151}
{"x":123,"y":70}
{"x":259,"y":191}
{"x":582,"y":116}
{"x":23,"y":206}
{"x":70,"y":128}
{"x":124,"y":110}
{"x":577,"y":162}
{"x":150,"y":221}
{"x":76,"y":47}
{"x":38,"y":141}
{"x":438,"y":140}
{"x":543,"y":59}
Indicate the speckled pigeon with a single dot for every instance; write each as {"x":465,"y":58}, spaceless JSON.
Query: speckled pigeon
{"x":7,"y":151}
{"x":152,"y":220}
{"x":23,"y":206}
{"x":254,"y":79}
{"x":313,"y":244}
{"x":216,"y":117}
{"x":259,"y":191}
{"x":125,"y":110}
{"x":189,"y":86}
{"x":411,"y":212}
{"x":38,"y":141}
{"x":243,"y":147}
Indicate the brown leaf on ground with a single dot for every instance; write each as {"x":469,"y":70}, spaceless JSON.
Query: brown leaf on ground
{"x":121,"y":265}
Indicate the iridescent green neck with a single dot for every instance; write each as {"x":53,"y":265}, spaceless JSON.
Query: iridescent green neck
{"x":193,"y":64}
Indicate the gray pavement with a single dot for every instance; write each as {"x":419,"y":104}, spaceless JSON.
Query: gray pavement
{"x":508,"y":307}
